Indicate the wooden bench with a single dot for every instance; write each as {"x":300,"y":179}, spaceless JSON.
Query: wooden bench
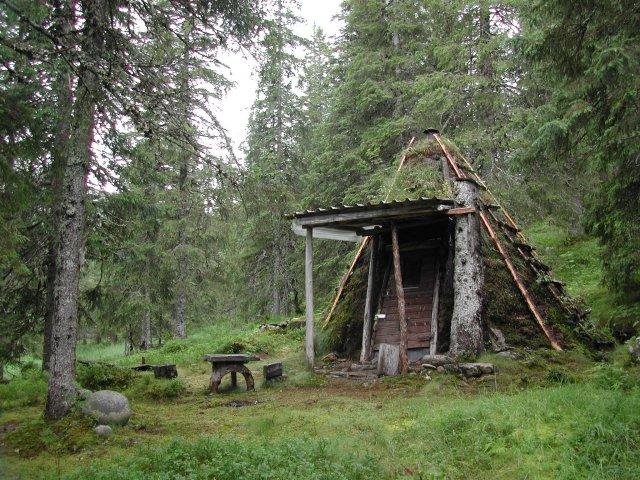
{"x":233,"y":364}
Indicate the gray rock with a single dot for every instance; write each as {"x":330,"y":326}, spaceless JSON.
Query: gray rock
{"x":108,"y":407}
{"x":634,"y":349}
{"x":440,"y":369}
{"x":103,"y":430}
{"x":474,"y":369}
{"x":509,"y":354}
{"x":437,"y":360}
{"x":469,"y":370}
{"x":428,"y":366}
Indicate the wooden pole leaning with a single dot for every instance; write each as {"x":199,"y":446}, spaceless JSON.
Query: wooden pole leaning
{"x":308,"y":296}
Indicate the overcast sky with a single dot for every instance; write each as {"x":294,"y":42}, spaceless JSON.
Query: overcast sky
{"x":234,"y":112}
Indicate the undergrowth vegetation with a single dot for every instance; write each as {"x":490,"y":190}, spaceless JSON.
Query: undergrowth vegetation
{"x":576,"y":261}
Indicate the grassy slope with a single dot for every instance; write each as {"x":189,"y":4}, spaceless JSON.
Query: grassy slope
{"x":576,"y":261}
{"x":549,"y":415}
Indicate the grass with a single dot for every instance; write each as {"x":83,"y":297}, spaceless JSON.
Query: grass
{"x":548,"y":415}
{"x":576,"y":261}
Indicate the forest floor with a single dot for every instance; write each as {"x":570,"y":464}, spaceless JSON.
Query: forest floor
{"x":548,"y":414}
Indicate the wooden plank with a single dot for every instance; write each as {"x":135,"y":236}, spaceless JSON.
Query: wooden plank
{"x":308,"y":296}
{"x":365,"y":352}
{"x":230,"y":358}
{"x":397,"y":273}
{"x":460,"y":211}
{"x":410,"y":344}
{"x":359,"y":219}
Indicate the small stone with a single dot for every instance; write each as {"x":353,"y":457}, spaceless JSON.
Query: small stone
{"x":469,"y":370}
{"x":330,"y":357}
{"x":509,"y":354}
{"x":485,"y":368}
{"x":428,"y":366}
{"x":440,"y":369}
{"x":103,"y":430}
{"x":427,"y":376}
{"x":634,"y":349}
{"x":437,"y":360}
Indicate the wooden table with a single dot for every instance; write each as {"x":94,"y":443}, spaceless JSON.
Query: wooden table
{"x":233,"y":364}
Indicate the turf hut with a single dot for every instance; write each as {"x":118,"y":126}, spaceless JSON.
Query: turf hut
{"x":441,"y":268}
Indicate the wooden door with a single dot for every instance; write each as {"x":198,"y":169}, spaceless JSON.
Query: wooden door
{"x":418,"y":278}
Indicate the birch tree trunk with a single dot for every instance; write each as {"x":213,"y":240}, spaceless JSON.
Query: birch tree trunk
{"x":468,"y":277}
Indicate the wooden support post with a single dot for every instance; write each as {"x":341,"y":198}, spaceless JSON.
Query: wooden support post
{"x":397,"y":273}
{"x":433,"y":346}
{"x":308,"y":296}
{"x":365,"y":354}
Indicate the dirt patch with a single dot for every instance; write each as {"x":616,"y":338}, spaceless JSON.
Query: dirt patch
{"x":8,"y":427}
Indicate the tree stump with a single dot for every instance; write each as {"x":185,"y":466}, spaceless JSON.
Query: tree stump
{"x":165,"y":371}
{"x":389,"y":359}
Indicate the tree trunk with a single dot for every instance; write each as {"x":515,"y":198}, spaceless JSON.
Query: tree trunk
{"x":61,"y":393}
{"x":145,"y":327}
{"x":179,"y":320}
{"x":468,"y":278}
{"x":276,"y":304}
{"x":69,"y":244}
{"x":64,"y":90}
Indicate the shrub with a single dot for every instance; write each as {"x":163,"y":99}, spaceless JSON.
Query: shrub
{"x":101,"y":377}
{"x":231,"y":459}
{"x":28,"y":389}
{"x":614,"y":377}
{"x":149,"y":387}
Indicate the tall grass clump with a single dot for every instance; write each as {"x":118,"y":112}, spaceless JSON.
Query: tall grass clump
{"x":231,"y":459}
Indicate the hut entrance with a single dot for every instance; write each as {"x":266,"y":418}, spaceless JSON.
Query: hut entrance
{"x":419,"y":283}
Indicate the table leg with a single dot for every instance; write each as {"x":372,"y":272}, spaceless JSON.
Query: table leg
{"x":234,"y":380}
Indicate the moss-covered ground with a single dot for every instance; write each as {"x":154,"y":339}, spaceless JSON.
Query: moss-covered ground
{"x":547,"y":414}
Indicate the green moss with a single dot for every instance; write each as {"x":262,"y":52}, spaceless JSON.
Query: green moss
{"x":69,"y":435}
{"x":344,"y":331}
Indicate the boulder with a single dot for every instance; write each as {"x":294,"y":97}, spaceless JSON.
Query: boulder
{"x":103,"y":430}
{"x":437,"y":360}
{"x":634,"y":349}
{"x":108,"y":407}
